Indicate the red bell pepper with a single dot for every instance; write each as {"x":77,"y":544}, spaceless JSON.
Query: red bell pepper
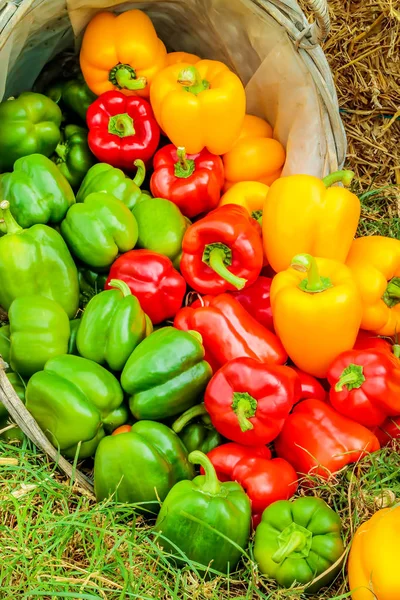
{"x":366,"y":340}
{"x":225,"y":457}
{"x":191,"y":181}
{"x":255,"y":299}
{"x":316,"y":439}
{"x":388,"y":431}
{"x":365,"y":385}
{"x":310,"y":386}
{"x":152,"y":278}
{"x":248,"y":401}
{"x":222,"y":251}
{"x":229,"y":332}
{"x":122,"y":129}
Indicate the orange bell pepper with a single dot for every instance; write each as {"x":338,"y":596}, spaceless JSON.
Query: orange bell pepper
{"x":174,"y":58}
{"x":201,"y":106}
{"x":375,"y":264}
{"x":374,"y":557}
{"x":316,"y":317}
{"x":121,"y":52}
{"x":255,"y":127}
{"x":304,"y":214}
{"x":250,"y":194}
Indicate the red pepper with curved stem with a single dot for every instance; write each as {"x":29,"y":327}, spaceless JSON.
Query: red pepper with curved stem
{"x":365,"y":385}
{"x":255,"y":299}
{"x":152,"y":278}
{"x":229,"y":332}
{"x":223,"y":251}
{"x":225,"y":457}
{"x":191,"y":181}
{"x":311,"y":388}
{"x":248,"y":401}
{"x":122,"y":129}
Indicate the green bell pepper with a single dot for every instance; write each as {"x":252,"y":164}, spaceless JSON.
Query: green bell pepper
{"x":37,"y":191}
{"x":112,"y":325}
{"x":161,"y":227}
{"x":74,"y":326}
{"x":36,"y":261}
{"x":298,"y":540}
{"x":29,"y":124}
{"x":39,"y":330}
{"x":5,"y":345}
{"x":75,"y":400}
{"x":14,"y":433}
{"x":140,"y":466}
{"x":73,"y":94}
{"x":73,"y":156}
{"x":200,"y":517}
{"x":105,"y":178}
{"x":165,"y":374}
{"x":200,"y":435}
{"x":98,"y":229}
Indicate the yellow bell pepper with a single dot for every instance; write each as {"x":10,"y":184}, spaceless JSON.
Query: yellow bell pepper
{"x":375,"y":264}
{"x":374,"y":558}
{"x":199,"y":106}
{"x":250,"y":194}
{"x":255,"y":127}
{"x":305,"y":214}
{"x":174,"y":58}
{"x":317,"y":316}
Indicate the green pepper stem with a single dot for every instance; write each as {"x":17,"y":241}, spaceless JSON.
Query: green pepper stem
{"x":295,"y":541}
{"x":391,"y":296}
{"x":121,"y":125}
{"x":61,"y":151}
{"x":185,"y":167}
{"x":313,"y":283}
{"x":244,"y":406}
{"x":124,"y":77}
{"x":344,"y":177}
{"x":396,"y":350}
{"x":122,"y":286}
{"x":351,"y":377}
{"x":191,"y":80}
{"x":217,"y":256}
{"x":211,"y":484}
{"x":9,"y":221}
{"x":140,"y":173}
{"x":196,"y":411}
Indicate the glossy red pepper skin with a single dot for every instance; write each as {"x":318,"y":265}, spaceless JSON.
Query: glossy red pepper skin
{"x":311,"y":388}
{"x":120,"y":141}
{"x":255,"y":299}
{"x":193,"y":182}
{"x":229,"y":332}
{"x":265,"y":481}
{"x":231,"y":229}
{"x":225,"y":457}
{"x":366,"y":340}
{"x":388,"y":431}
{"x":152,"y":278}
{"x":365,"y":385}
{"x":317,"y":439}
{"x":248,"y":401}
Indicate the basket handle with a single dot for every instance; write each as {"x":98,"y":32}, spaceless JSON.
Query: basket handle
{"x":322,"y":26}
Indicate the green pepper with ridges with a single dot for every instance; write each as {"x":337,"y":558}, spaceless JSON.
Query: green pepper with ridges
{"x":74,"y":326}
{"x":73,"y":94}
{"x":73,"y":157}
{"x":200,"y":435}
{"x":5,"y":345}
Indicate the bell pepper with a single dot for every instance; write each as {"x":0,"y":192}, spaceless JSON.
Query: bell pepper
{"x":73,"y":157}
{"x":39,"y":331}
{"x":166,"y":374}
{"x":256,"y":300}
{"x":174,"y":58}
{"x":200,"y":435}
{"x":373,"y":566}
{"x":112,"y":325}
{"x":5,"y":346}
{"x":105,"y":178}
{"x":305,"y":214}
{"x":121,"y":52}
{"x":122,"y":130}
{"x":375,"y":264}
{"x":249,"y":401}
{"x":365,"y":385}
{"x":9,"y":431}
{"x":29,"y":124}
{"x":36,"y":261}
{"x":75,"y":401}
{"x":229,"y":331}
{"x":316,"y":439}
{"x":90,"y":284}
{"x":153,"y":280}
{"x":161,"y":228}
{"x":311,"y":388}
{"x":255,"y":127}
{"x":141,"y":465}
{"x":249,"y":194}
{"x":74,"y":95}
{"x":389,"y":430}
{"x":208,"y":521}
{"x":366,"y":340}
{"x":191,"y":181}
{"x":299,"y":540}
{"x":201,"y":106}
{"x":254,"y":159}
{"x":226,"y":237}
{"x":37,"y":191}
{"x":265,"y":481}
{"x":74,"y":327}
{"x":317,"y":316}
{"x":225,"y":458}
{"x":98,"y":229}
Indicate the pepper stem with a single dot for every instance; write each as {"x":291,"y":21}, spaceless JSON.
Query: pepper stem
{"x":391,"y":296}
{"x":218,"y":256}
{"x":61,"y":151}
{"x":124,"y":77}
{"x":351,"y":377}
{"x":187,"y":416}
{"x":295,"y":541}
{"x":396,"y":350}
{"x":191,"y":80}
{"x":140,"y":173}
{"x":10,"y":223}
{"x":344,"y":177}
{"x":313,"y":283}
{"x":121,"y":125}
{"x":244,"y":406}
{"x":211,"y":484}
{"x":122,"y":286}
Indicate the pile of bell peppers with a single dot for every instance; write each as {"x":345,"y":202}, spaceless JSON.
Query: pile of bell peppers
{"x":212,"y":338}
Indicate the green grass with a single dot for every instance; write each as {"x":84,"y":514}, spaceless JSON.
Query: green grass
{"x":380,"y":211}
{"x":56,"y":542}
